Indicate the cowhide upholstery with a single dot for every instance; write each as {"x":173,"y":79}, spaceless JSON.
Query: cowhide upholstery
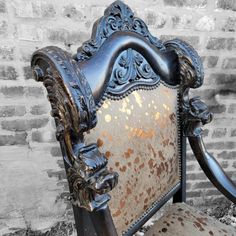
{"x":139,"y":136}
{"x":183,"y":220}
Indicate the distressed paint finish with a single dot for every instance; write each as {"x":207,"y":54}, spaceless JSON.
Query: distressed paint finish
{"x":138,"y":135}
{"x":183,"y":220}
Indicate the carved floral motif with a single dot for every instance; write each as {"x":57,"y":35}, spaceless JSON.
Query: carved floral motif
{"x":131,"y":71}
{"x":117,"y":17}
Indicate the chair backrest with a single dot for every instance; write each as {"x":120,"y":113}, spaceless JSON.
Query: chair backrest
{"x":139,"y":136}
{"x":121,"y":93}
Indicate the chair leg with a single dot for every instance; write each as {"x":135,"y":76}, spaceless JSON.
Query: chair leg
{"x":103,"y":222}
{"x":83,"y":223}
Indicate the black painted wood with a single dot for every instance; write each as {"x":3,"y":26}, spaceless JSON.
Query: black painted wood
{"x":180,"y":195}
{"x":212,"y":169}
{"x":78,"y":85}
{"x":164,"y":64}
{"x":83,"y":222}
{"x":103,"y":222}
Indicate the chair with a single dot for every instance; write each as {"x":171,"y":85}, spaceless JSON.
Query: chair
{"x":122,"y":111}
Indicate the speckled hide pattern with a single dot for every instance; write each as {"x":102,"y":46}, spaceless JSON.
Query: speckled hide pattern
{"x":139,"y":136}
{"x":183,"y":220}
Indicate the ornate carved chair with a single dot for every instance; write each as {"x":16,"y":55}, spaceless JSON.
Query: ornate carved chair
{"x":121,"y":108}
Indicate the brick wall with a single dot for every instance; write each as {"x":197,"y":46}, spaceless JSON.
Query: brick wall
{"x":33,"y":186}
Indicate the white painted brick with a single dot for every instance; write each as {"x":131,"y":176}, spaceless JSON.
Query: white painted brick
{"x":27,"y":8}
{"x":29,"y":33}
{"x":32,"y":24}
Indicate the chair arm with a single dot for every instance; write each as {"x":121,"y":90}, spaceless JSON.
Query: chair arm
{"x":194,"y":113}
{"x":199,"y":115}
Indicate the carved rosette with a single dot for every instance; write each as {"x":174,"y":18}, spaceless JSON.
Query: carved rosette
{"x":74,"y":111}
{"x":117,"y":17}
{"x":194,"y":112}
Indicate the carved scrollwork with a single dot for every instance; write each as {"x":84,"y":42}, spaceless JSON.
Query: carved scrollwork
{"x":191,"y":70}
{"x":194,"y":112}
{"x":74,"y":111}
{"x":90,"y":179}
{"x":197,"y":116}
{"x":131,"y":72}
{"x":71,"y":98}
{"x":117,"y":17}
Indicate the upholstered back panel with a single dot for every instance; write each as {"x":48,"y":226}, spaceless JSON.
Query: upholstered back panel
{"x":139,"y":136}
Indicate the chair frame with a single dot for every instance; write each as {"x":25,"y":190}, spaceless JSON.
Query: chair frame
{"x":74,"y":95}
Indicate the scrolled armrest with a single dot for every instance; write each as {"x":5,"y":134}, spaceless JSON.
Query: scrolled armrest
{"x":74,"y":111}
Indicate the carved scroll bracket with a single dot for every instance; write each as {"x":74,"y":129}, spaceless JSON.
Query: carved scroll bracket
{"x":197,"y":116}
{"x":194,"y":113}
{"x":90,"y":179}
{"x":117,"y":17}
{"x":74,"y":111}
{"x":191,"y":75}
